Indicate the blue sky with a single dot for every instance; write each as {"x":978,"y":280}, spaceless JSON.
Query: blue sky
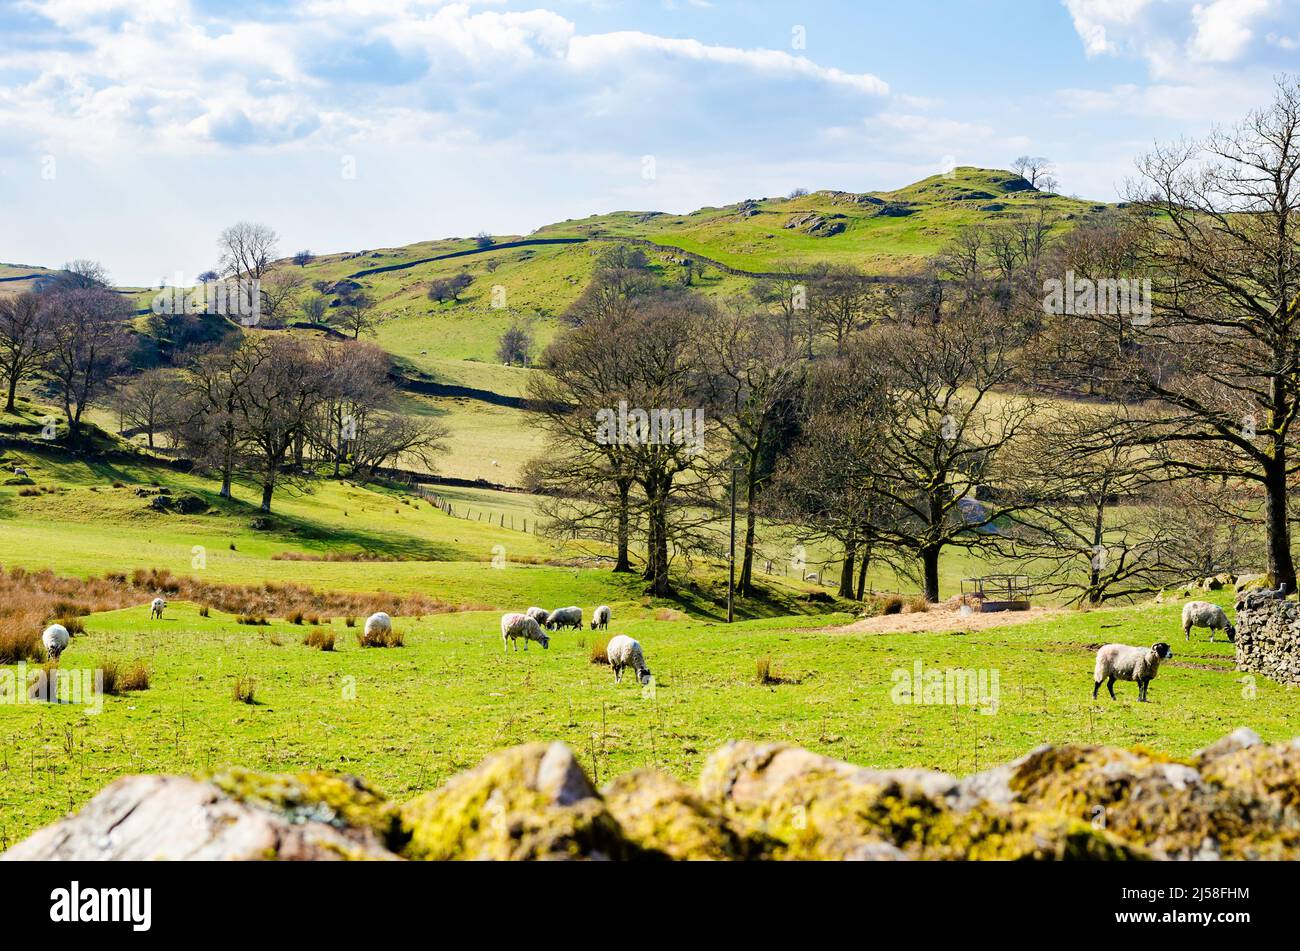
{"x":134,"y":130}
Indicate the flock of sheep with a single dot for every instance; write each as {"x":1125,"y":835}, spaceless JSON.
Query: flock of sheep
{"x":1114,"y":661}
{"x":622,"y":651}
{"x":1141,"y":664}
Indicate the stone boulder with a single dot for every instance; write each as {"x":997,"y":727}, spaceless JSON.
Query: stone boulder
{"x":145,"y":818}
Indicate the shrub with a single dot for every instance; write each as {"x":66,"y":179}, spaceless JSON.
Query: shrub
{"x":599,"y":653}
{"x":763,"y":670}
{"x":18,"y":644}
{"x":123,"y":679}
{"x":252,"y":619}
{"x":296,"y":617}
{"x":245,"y":690}
{"x":892,"y":604}
{"x":74,"y":624}
{"x":320,"y":639}
{"x":918,"y":605}
{"x":350,"y":622}
{"x":205,"y":610}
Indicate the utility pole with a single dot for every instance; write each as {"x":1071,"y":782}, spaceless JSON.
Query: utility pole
{"x":731,"y":559}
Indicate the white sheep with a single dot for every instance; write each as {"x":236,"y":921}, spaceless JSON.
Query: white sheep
{"x":157,"y":607}
{"x":20,"y":471}
{"x":1205,"y":614}
{"x":515,"y":626}
{"x":564,"y":617}
{"x":600,"y":618}
{"x":622,"y":652}
{"x":55,"y":638}
{"x":378,"y":626}
{"x":1121,"y":662}
{"x":540,"y":615}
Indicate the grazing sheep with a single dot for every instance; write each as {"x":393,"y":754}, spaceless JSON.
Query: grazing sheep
{"x":564,"y":617}
{"x":600,"y":618}
{"x":1121,"y":662}
{"x":1205,"y":614}
{"x":378,"y":626}
{"x":55,"y":638}
{"x":20,"y":471}
{"x":622,"y":652}
{"x":156,"y":609}
{"x":515,"y":626}
{"x":539,"y":615}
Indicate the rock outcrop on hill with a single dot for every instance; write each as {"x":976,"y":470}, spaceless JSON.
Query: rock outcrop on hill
{"x":1236,"y":799}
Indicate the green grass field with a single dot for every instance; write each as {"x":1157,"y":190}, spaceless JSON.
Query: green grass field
{"x":407,"y":718}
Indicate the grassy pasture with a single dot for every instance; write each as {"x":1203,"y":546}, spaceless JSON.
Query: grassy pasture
{"x":408,"y":718}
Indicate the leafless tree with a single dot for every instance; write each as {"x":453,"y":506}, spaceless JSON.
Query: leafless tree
{"x":303,"y":258}
{"x":1036,"y":170}
{"x":356,"y":314}
{"x":516,"y":345}
{"x":1219,"y":359}
{"x":750,"y":378}
{"x":280,"y":290}
{"x":248,"y":250}
{"x":24,"y":339}
{"x":148,"y":401}
{"x":87,"y":348}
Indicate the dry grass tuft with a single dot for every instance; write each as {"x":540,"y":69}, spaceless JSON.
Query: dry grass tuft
{"x":389,"y":638}
{"x":124,"y":679}
{"x":320,"y":639}
{"x":599,"y":651}
{"x":245,"y":690}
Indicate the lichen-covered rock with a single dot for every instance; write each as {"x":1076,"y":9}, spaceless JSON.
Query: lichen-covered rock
{"x":144,"y":818}
{"x":819,"y":808}
{"x":528,"y":802}
{"x":668,"y":819}
{"x":1240,"y":805}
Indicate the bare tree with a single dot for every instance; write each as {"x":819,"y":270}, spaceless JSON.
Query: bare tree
{"x":842,"y":303}
{"x":449,"y":288}
{"x":280,"y":290}
{"x":1036,"y":170}
{"x":303,"y":258}
{"x":148,"y":401}
{"x":1218,"y":357}
{"x":516,"y":345}
{"x":87,"y":348}
{"x":81,"y":274}
{"x":356,"y":314}
{"x":24,"y":339}
{"x":750,"y":378}
{"x":248,"y":250}
{"x":314,"y":307}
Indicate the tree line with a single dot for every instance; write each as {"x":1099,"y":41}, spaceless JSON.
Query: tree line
{"x":1110,"y":400}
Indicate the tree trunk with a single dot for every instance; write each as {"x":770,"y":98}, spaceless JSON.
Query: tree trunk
{"x":13,"y":389}
{"x":846,"y":569}
{"x":1281,"y":566}
{"x":930,"y":569}
{"x":746,"y":585}
{"x":863,"y":563}
{"x":267,"y":488}
{"x":624,"y":526}
{"x":227,"y":470}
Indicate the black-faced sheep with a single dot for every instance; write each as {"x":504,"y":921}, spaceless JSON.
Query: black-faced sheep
{"x":600,"y":618}
{"x":515,"y":626}
{"x":622,"y":652}
{"x":1122,"y":662}
{"x":1205,"y":614}
{"x":157,"y":607}
{"x":564,"y":617}
{"x":55,"y":638}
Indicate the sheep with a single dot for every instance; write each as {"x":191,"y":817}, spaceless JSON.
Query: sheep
{"x":515,"y":626}
{"x":600,"y":618}
{"x":1121,"y":662}
{"x":540,"y":615}
{"x":156,"y":609}
{"x":378,"y":626}
{"x":20,"y":471}
{"x":564,"y":617}
{"x":55,"y":638}
{"x":1205,"y":614}
{"x":622,"y":652}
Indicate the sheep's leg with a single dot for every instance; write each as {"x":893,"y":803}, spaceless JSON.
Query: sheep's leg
{"x":1095,"y":687}
{"x":1110,"y":685}
{"x":1187,"y":632}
